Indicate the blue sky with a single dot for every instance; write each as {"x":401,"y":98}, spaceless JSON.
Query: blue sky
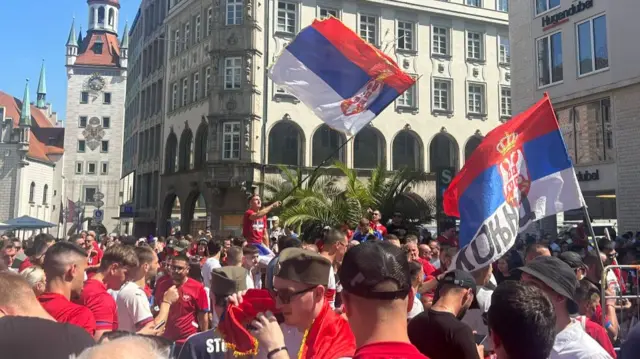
{"x":38,"y":29}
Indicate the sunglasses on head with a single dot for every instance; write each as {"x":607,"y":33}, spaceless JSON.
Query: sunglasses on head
{"x":285,"y":295}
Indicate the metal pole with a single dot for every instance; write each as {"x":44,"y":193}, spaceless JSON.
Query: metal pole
{"x":265,"y":95}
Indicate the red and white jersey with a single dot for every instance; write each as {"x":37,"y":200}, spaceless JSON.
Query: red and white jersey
{"x":330,"y":295}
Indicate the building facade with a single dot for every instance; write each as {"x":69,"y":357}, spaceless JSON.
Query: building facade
{"x":226,"y":119}
{"x":31,"y":151}
{"x":144,"y":115}
{"x":96,"y":71}
{"x":561,"y":47}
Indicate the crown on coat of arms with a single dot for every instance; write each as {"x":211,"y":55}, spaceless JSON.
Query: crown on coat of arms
{"x":507,"y":143}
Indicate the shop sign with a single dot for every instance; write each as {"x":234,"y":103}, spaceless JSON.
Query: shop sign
{"x":586,"y":176}
{"x":556,"y":19}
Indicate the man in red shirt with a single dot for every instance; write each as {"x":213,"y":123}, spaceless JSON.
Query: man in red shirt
{"x":95,"y":253}
{"x":254,"y":222}
{"x":448,"y":236}
{"x":414,"y":254}
{"x":192,"y":306}
{"x":376,"y":217}
{"x":110,"y":275}
{"x":64,"y":267}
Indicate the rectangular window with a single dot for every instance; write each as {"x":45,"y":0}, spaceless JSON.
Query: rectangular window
{"x":287,"y":17}
{"x":196,"y":86}
{"x":326,"y":12}
{"x":84,"y":97}
{"x":209,"y":21}
{"x":176,"y":42}
{"x":475,"y":99}
{"x":408,"y":98}
{"x":234,"y":12}
{"x":79,"y":168}
{"x":505,"y":101}
{"x":81,"y":145}
{"x":441,"y":95}
{"x":504,"y":51}
{"x":593,"y":52}
{"x":588,"y":132}
{"x":82,"y":123}
{"x":104,"y":168}
{"x":187,"y":35}
{"x":405,"y":35}
{"x":91,"y":168}
{"x":89,"y":194}
{"x":474,"y":45}
{"x":197,"y":29}
{"x":546,"y":5}
{"x":185,"y":91}
{"x":232,"y":73}
{"x":174,"y":96}
{"x":440,"y":38}
{"x":369,"y":29}
{"x":476,"y":3}
{"x":231,"y":141}
{"x":207,"y":80}
{"x":106,"y":122}
{"x":503,"y":5}
{"x":104,"y":147}
{"x":550,"y":59}
{"x":106,"y":98}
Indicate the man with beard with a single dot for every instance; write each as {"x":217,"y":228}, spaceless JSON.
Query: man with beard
{"x":334,"y":248}
{"x":192,"y":306}
{"x":134,"y":313}
{"x":438,"y":333}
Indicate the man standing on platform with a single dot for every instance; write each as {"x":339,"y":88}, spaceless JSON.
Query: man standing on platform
{"x":254,"y":224}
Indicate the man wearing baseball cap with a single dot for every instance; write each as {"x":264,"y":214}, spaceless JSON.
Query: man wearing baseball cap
{"x":376,"y":294}
{"x":439,"y":332}
{"x":558,"y":281}
{"x":574,"y":260}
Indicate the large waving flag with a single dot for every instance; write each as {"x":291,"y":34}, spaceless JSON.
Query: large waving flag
{"x":520,"y":173}
{"x":343,"y":79}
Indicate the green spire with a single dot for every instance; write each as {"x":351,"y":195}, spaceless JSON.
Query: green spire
{"x":42,"y":89}
{"x":80,"y":36}
{"x":124,"y":44}
{"x":72,"y":41}
{"x":25,"y":114}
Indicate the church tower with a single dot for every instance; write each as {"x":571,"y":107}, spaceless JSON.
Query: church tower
{"x":96,"y":65}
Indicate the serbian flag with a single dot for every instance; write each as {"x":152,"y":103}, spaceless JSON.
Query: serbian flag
{"x":520,"y":173}
{"x":343,"y":79}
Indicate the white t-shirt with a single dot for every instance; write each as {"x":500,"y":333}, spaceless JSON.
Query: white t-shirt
{"x":209,"y":265}
{"x":416,"y":308}
{"x":133,"y":307}
{"x":574,"y":343}
{"x":331,"y":288}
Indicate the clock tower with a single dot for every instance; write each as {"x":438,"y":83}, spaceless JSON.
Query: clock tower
{"x":96,"y":65}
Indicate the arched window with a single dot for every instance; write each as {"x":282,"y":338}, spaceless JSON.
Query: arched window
{"x":185,"y":157}
{"x":201,"y":146}
{"x":368,"y":148}
{"x":286,"y":143}
{"x":443,"y":152}
{"x":32,"y":192}
{"x":101,"y":15}
{"x":111,"y":16}
{"x":92,"y":16}
{"x":45,"y":193}
{"x":326,"y":142}
{"x":407,"y":150}
{"x":471,"y":146}
{"x":170,"y":154}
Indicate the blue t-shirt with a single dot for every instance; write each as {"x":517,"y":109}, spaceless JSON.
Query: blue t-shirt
{"x":362,"y":237}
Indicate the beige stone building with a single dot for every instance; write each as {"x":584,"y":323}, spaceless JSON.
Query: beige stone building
{"x":227,"y":125}
{"x":562,"y":47}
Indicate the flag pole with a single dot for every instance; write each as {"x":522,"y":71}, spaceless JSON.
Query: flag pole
{"x":587,"y":220}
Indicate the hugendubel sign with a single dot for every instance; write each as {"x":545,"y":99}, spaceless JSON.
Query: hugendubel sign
{"x":550,"y":21}
{"x":587,"y":176}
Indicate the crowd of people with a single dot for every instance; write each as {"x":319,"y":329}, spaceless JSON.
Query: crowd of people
{"x":380,"y":290}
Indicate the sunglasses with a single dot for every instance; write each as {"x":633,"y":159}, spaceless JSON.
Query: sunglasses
{"x":285,"y":296}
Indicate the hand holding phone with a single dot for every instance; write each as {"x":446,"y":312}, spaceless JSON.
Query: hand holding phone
{"x":479,"y":338}
{"x":160,"y":325}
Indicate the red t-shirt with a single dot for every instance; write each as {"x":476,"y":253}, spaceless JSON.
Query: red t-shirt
{"x":385,"y":350}
{"x":380,"y":228}
{"x":427,"y":267}
{"x":599,"y":334}
{"x":64,"y":311}
{"x":451,"y":242}
{"x":95,"y":259}
{"x":253,"y":231}
{"x":183,"y":314}
{"x":26,"y":263}
{"x":95,"y":297}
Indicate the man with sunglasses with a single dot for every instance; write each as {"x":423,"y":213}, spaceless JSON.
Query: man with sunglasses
{"x":376,"y":218}
{"x":192,"y":306}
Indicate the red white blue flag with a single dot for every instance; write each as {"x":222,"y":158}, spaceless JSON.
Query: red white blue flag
{"x":520,"y":173}
{"x":343,"y":79}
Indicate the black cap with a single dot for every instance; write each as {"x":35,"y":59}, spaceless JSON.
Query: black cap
{"x":557,"y":275}
{"x":573,"y":259}
{"x":460,"y":279}
{"x":371,"y":263}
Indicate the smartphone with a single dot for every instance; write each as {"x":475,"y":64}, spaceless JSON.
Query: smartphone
{"x":160,"y":325}
{"x":479,"y":338}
